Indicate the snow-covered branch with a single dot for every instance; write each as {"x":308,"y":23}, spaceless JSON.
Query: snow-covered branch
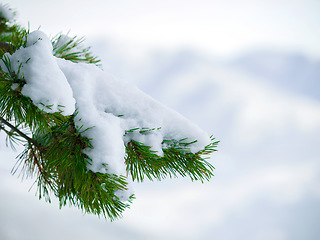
{"x":91,"y":134}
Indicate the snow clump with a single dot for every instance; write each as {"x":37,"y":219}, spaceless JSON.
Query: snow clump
{"x":46,"y":84}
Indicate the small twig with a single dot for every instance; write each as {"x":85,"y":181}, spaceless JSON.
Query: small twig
{"x":19,"y":132}
{"x":6,"y":131}
{"x":6,"y":46}
{"x":33,"y":151}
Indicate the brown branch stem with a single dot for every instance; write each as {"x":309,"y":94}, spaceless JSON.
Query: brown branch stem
{"x":5,"y":46}
{"x":33,"y":151}
{"x":19,"y":132}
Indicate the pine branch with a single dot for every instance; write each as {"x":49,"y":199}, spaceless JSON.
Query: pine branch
{"x":19,"y":132}
{"x":141,"y":161}
{"x":63,"y":158}
{"x":32,"y":144}
{"x":72,"y":49}
{"x":56,"y":150}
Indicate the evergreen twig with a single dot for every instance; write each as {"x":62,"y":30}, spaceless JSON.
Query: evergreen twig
{"x":19,"y":132}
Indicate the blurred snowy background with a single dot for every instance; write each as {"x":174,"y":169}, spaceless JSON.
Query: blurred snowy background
{"x":245,"y":71}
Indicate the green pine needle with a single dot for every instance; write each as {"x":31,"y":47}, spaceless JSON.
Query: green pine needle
{"x":141,"y":161}
{"x":72,"y":50}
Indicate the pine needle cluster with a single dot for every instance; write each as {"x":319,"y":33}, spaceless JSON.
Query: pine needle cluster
{"x":72,"y":49}
{"x":53,"y":145}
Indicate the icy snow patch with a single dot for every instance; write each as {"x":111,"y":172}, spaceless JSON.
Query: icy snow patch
{"x":6,"y":12}
{"x":45,"y":84}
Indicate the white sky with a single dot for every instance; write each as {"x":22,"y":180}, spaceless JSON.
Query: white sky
{"x":221,"y":27}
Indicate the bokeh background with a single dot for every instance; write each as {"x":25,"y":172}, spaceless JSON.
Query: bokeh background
{"x":245,"y":71}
